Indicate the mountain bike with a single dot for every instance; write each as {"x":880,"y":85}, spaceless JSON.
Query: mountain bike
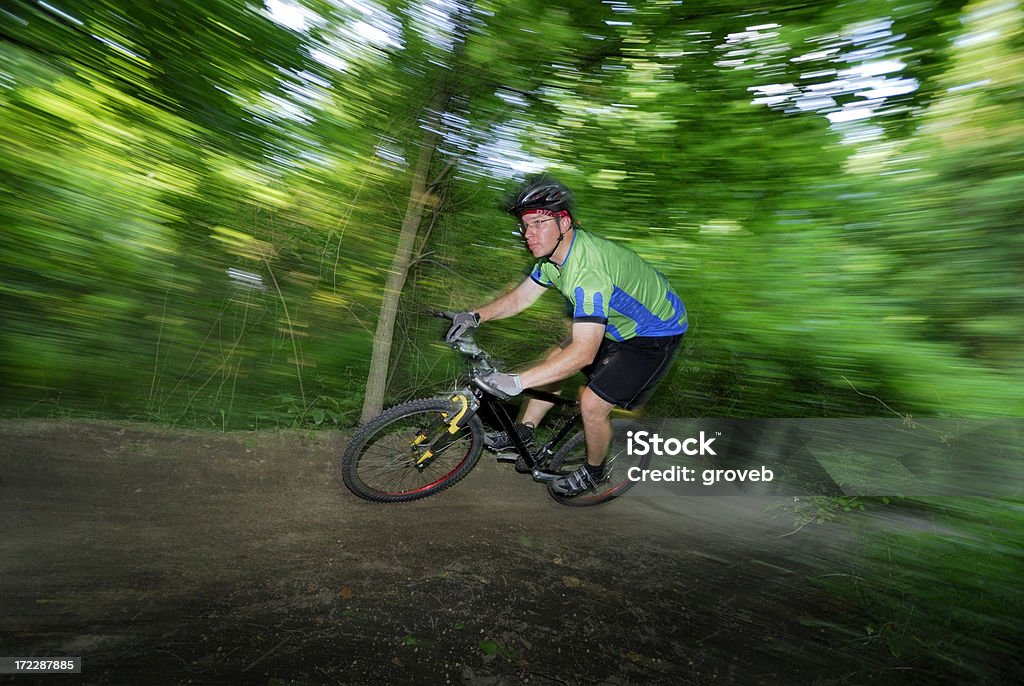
{"x":421,"y":447}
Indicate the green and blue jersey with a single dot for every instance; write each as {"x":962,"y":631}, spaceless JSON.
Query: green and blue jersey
{"x":609,"y":284}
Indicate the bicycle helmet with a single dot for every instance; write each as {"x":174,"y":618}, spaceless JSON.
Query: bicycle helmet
{"x":540,"y":192}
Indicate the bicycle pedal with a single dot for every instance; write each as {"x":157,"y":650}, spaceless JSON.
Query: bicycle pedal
{"x":506,"y":457}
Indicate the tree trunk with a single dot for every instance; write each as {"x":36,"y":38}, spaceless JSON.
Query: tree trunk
{"x":376,"y":381}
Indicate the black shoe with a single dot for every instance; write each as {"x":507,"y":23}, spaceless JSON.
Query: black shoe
{"x":578,"y":482}
{"x":498,"y":441}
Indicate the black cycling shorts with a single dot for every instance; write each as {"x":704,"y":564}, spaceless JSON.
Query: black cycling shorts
{"x":625,"y":373}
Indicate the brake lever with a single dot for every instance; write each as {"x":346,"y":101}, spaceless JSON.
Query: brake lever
{"x":490,"y":390}
{"x":467,"y":346}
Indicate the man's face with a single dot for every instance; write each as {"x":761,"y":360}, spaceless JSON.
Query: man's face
{"x":540,"y":231}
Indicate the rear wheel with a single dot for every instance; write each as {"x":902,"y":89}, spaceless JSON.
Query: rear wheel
{"x":407,"y":452}
{"x":573,"y":454}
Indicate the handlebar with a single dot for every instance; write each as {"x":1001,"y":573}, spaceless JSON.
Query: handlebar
{"x":480,"y":362}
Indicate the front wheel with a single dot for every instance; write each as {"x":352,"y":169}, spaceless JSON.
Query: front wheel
{"x":573,"y":454}
{"x":408,"y":452}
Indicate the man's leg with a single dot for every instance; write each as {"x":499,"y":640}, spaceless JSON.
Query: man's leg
{"x":627,"y":372}
{"x":532,"y":415}
{"x":597,"y":426}
{"x":535,"y":410}
{"x":597,"y":432}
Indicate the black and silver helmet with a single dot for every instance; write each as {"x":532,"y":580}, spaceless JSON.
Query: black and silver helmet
{"x":540,"y":192}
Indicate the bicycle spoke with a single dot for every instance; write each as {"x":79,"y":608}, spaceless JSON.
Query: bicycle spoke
{"x":388,"y":462}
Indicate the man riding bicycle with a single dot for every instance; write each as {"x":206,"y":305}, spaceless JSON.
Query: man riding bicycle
{"x":628,"y":323}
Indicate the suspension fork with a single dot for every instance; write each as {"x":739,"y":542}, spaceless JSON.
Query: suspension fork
{"x":464,"y":406}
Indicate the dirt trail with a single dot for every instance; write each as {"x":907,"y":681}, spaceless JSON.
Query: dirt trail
{"x":172,"y":557}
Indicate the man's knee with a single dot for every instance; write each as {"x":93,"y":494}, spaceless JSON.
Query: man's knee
{"x":594,"y":407}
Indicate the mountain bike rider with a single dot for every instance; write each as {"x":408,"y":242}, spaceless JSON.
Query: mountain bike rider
{"x":628,"y":323}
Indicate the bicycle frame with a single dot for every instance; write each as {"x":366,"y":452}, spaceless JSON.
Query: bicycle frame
{"x":534,"y":460}
{"x":480,"y":364}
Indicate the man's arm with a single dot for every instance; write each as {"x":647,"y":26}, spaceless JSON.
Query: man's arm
{"x":586,"y":339}
{"x":513,"y":302}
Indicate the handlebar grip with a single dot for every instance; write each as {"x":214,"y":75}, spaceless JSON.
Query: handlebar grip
{"x":476,"y":381}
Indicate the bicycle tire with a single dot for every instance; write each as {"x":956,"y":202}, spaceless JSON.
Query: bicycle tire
{"x":379,"y":463}
{"x":573,"y":454}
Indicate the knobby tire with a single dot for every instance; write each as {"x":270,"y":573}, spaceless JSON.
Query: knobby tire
{"x":379,"y":462}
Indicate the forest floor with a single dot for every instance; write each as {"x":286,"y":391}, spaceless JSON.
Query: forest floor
{"x":175,"y":556}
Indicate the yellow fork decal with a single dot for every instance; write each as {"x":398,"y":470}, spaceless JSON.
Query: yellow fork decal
{"x":453,"y":425}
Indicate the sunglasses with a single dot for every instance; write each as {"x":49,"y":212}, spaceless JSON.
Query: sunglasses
{"x":535,"y":224}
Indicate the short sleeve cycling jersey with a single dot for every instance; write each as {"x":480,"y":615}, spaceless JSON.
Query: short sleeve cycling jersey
{"x":612,"y":285}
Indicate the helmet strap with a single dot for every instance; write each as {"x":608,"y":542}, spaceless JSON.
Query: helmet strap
{"x":561,"y":236}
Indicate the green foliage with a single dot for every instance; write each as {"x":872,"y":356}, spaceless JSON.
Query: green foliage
{"x":320,"y":412}
{"x":141,"y":161}
{"x":948,"y":593}
{"x":491,"y":647}
{"x":821,"y":509}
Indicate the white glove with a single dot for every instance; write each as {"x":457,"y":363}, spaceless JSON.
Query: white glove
{"x":502,"y":385}
{"x":461,"y":323}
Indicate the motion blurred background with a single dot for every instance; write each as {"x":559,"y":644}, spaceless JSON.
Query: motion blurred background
{"x":202,"y":202}
{"x":233,"y":215}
